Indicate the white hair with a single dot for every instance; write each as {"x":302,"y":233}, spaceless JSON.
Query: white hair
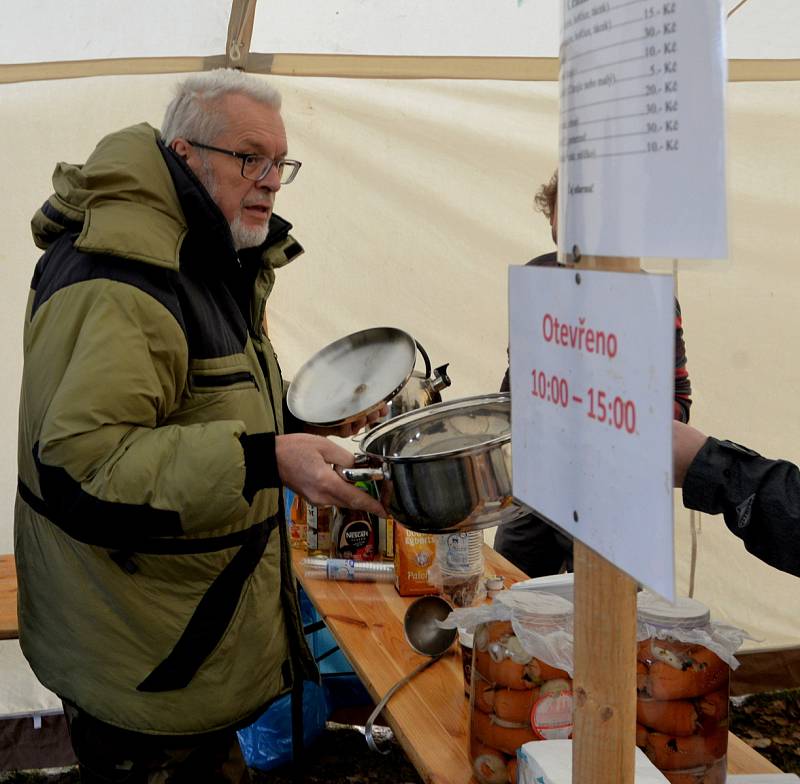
{"x":191,"y":113}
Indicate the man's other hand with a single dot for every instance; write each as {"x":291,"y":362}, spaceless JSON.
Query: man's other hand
{"x":304,"y":465}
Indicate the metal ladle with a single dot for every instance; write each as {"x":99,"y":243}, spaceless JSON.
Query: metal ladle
{"x":425,"y":637}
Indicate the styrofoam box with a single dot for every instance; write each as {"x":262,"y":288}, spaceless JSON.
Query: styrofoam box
{"x":550,"y":762}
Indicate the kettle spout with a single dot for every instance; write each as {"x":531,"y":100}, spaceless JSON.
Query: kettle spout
{"x":440,"y":379}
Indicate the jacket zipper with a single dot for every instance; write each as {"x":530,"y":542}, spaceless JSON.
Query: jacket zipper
{"x":205,"y":380}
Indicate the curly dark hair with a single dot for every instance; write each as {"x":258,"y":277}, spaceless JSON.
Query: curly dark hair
{"x":545,"y":198}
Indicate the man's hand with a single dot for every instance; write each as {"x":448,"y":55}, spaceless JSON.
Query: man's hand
{"x":304,"y":465}
{"x":687,"y":441}
{"x":351,"y":428}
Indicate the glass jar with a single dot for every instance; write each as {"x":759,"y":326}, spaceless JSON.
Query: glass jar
{"x":354,"y":534}
{"x":516,"y":696}
{"x":297,"y":519}
{"x":459,"y":560}
{"x":682,"y":692}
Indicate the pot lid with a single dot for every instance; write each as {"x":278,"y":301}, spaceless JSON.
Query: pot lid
{"x":352,"y":376}
{"x":452,"y":428}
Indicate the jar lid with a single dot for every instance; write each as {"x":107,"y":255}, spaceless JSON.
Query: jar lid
{"x":684,"y":613}
{"x":538,"y":606}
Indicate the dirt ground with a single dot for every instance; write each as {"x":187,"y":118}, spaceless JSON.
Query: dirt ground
{"x":339,"y":756}
{"x":771,"y":723}
{"x":768,"y":722}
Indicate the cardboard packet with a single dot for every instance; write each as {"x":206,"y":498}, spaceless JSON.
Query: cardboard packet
{"x":414,"y":555}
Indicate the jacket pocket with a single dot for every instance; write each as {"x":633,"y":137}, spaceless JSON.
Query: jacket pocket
{"x":215,"y":382}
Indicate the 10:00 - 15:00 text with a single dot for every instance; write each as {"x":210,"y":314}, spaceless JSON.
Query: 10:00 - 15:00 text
{"x":600,"y":406}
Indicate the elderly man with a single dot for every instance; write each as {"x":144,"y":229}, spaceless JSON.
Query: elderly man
{"x":155,"y":588}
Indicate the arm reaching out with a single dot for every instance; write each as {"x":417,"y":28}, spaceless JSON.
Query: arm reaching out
{"x":687,"y":441}
{"x":758,"y":498}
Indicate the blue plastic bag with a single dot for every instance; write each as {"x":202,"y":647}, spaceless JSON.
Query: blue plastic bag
{"x":342,"y":686}
{"x":267,"y":743}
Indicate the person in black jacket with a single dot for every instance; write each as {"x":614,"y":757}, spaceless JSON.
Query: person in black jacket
{"x":758,"y":498}
{"x":531,"y":543}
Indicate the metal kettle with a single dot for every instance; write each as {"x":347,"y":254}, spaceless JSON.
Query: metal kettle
{"x":421,"y":389}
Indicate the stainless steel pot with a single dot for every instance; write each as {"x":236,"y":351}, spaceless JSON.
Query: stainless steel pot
{"x":446,"y":467}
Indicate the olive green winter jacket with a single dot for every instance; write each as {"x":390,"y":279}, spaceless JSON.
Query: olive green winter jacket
{"x":155,"y":586}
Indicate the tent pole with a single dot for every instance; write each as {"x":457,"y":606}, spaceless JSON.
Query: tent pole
{"x":353,"y":66}
{"x":240,"y":33}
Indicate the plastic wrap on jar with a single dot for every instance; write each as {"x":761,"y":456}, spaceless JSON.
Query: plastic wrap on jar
{"x":521,"y":684}
{"x":683,"y":667}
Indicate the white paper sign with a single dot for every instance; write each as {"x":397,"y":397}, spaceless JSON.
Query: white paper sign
{"x":642,"y":146}
{"x":592,"y":387}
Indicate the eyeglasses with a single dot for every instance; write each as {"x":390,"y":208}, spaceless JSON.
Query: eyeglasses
{"x":256,"y":167}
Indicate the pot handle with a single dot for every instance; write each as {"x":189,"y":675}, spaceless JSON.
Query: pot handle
{"x":354,"y":475}
{"x":362,"y":471}
{"x":425,"y":357}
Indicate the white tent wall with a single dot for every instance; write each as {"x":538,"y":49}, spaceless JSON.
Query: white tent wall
{"x":35,"y":32}
{"x":413,"y":200}
{"x":742,"y":327}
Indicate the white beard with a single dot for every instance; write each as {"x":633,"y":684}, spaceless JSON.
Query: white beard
{"x":243,"y":236}
{"x":247,"y":236}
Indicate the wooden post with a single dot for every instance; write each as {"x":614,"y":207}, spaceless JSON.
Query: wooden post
{"x":605,"y":671}
{"x":605,"y":648}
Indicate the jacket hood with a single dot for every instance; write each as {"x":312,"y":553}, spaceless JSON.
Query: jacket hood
{"x":124,"y":185}
{"x":130,"y":200}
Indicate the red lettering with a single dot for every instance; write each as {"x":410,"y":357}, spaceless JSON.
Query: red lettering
{"x":547,"y":324}
{"x":612,"y":345}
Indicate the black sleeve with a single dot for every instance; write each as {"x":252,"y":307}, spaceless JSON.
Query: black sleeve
{"x":261,"y":465}
{"x":759,"y":499}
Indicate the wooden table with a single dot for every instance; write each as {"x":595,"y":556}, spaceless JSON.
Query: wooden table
{"x":429,"y":715}
{"x":9,"y":628}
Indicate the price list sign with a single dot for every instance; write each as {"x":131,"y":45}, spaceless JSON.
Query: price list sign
{"x":592,"y":384}
{"x":642,"y":152}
